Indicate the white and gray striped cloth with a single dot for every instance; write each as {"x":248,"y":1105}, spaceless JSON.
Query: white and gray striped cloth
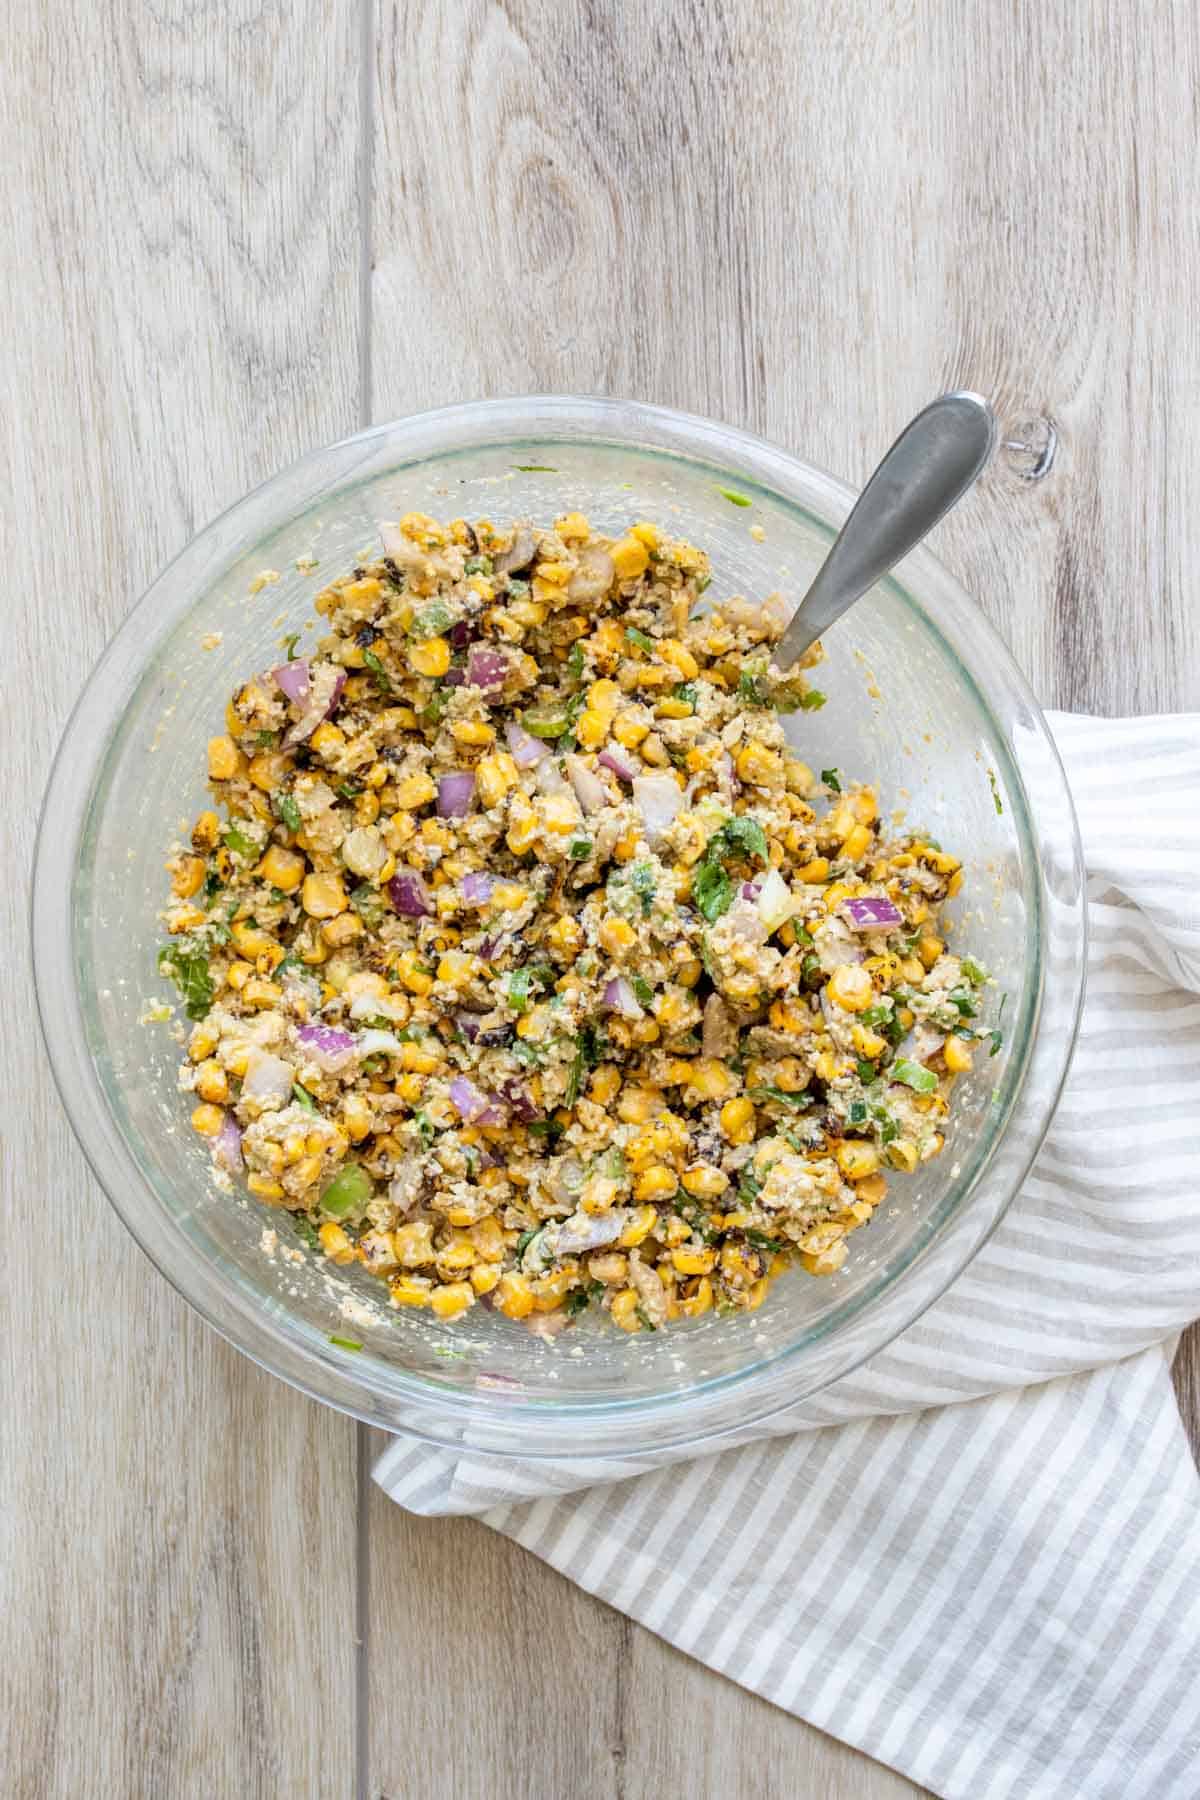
{"x":988,"y":1575}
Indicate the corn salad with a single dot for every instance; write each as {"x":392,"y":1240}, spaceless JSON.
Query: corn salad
{"x":530,"y":967}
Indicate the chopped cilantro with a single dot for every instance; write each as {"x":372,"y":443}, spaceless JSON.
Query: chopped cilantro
{"x":526,"y":1238}
{"x":812,"y":700}
{"x":733,"y":497}
{"x":575,"y":661}
{"x":579,"y":849}
{"x":641,"y":880}
{"x":797,"y":1102}
{"x":751,"y":689}
{"x":349,"y":790}
{"x":303,"y":1097}
{"x":344,"y":1343}
{"x":424,"y":1125}
{"x":289,"y":645}
{"x":749,"y":1187}
{"x":688,"y":692}
{"x":642,"y":989}
{"x":866,"y":1070}
{"x":712,"y":890}
{"x":307,"y":1231}
{"x":577,"y":1301}
{"x":367,"y":902}
{"x":644,"y":1316}
{"x":996,"y":1039}
{"x":964,"y":1002}
{"x":739,"y":835}
{"x":212,"y":887}
{"x":761,"y":1241}
{"x":188,"y":969}
{"x":640,"y":639}
{"x":266,"y":740}
{"x":285,"y":809}
{"x":975,"y":972}
{"x":832,"y":779}
{"x":378,"y":671}
{"x":996,"y":800}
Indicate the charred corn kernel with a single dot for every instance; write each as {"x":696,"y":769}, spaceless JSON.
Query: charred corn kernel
{"x":207,"y":1120}
{"x":449,"y":1301}
{"x":827,"y":1261}
{"x":872,"y":1190}
{"x":929,"y":948}
{"x":356,"y":1118}
{"x":473,"y":732}
{"x":522,"y":826}
{"x":689,"y":972}
{"x":705,"y":1180}
{"x":430,"y":658}
{"x":604,"y":697}
{"x":616,"y":935}
{"x":785,"y":1015}
{"x":942,"y":862}
{"x":206,"y":831}
{"x":262,"y":993}
{"x":264,"y":1188}
{"x":737,"y":1120}
{"x":637,"y":1105}
{"x":629,"y":730}
{"x":418,"y":1061}
{"x":857,"y":1160}
{"x":679,"y":657}
{"x":656,"y":1184}
{"x":694,"y":1262}
{"x":415,"y":790}
{"x":409,"y":1290}
{"x":560,"y":813}
{"x":624,"y":1310}
{"x":740,"y":1265}
{"x":411,"y":974}
{"x":696,"y":1304}
{"x":742,"y":988}
{"x":630,"y":558}
{"x":856,"y":843}
{"x":605,"y":1084}
{"x":955,"y":883}
{"x":957,"y":1055}
{"x":640,"y":1226}
{"x":238,"y":974}
{"x":267,"y":770}
{"x":494,"y":777}
{"x":187,"y":875}
{"x":457,"y":968}
{"x":323,"y":896}
{"x":850,"y":987}
{"x":212,"y":1082}
{"x":337,"y":1246}
{"x":591,"y":728}
{"x":457,"y":1255}
{"x":710,"y":1078}
{"x":815,"y":871}
{"x":327,"y":740}
{"x":869,"y":1044}
{"x":342,"y":930}
{"x":514,"y":1296}
{"x":224,"y":759}
{"x":758,"y":765}
{"x":903,"y":1155}
{"x":282,"y":868}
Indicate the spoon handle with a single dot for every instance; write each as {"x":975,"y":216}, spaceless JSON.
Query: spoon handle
{"x":930,"y":466}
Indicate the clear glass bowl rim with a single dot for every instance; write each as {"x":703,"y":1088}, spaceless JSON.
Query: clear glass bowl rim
{"x":490,"y":1421}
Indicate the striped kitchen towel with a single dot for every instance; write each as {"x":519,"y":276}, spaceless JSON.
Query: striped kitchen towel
{"x":978,"y":1557}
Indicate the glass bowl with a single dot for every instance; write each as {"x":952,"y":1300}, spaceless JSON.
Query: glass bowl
{"x":922,"y":697}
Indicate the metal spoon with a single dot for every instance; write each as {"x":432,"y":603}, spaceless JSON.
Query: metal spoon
{"x":927,"y":470}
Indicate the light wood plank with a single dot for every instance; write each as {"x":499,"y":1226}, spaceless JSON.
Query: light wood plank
{"x":177,"y":228}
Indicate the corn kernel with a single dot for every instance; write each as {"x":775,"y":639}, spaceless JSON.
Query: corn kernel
{"x":827,"y":1261}
{"x":282,"y":868}
{"x":591,"y":728}
{"x":639,"y":1227}
{"x":706,"y":1181}
{"x":872,"y":1190}
{"x":411,"y":975}
{"x":264,"y":1187}
{"x":630,"y":558}
{"x":514,"y":1296}
{"x":957,"y":1055}
{"x":224,"y":759}
{"x":929,"y":948}
{"x":737,"y":1120}
{"x":327,"y":740}
{"x":680,"y":658}
{"x":337,"y":1246}
{"x":207,"y":1120}
{"x":694,"y":1262}
{"x":850,"y":987}
{"x":473,"y":732}
{"x":624,"y":1310}
{"x":695,"y":1305}
{"x":616,"y":935}
{"x":560,"y":813}
{"x":206,"y":831}
{"x":758,"y":766}
{"x":430,"y":658}
{"x":656,"y":1184}
{"x":604,"y":697}
{"x":410,"y":1290}
{"x":415,"y":790}
{"x":903,"y":1155}
{"x":856,"y":843}
{"x":857,"y":1160}
{"x":629,"y":730}
{"x":323,"y":896}
{"x":494,"y":776}
{"x":212,"y":1082}
{"x":868,"y":1044}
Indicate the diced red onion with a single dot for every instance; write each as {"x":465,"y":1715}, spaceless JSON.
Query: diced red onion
{"x":589,"y":789}
{"x":619,"y":763}
{"x":516,"y":1096}
{"x":493,"y":948}
{"x":487,"y":668}
{"x":470,"y":1024}
{"x":749,"y":890}
{"x":227,"y":1150}
{"x":477,"y":888}
{"x":454,"y":678}
{"x":872,"y":913}
{"x":324,"y":692}
{"x":409,"y":895}
{"x":493,"y":1114}
{"x":327,"y":1045}
{"x":462,"y":632}
{"x":454,"y":793}
{"x":291,"y":678}
{"x":466,"y":1097}
{"x":526,"y":749}
{"x":620,"y":997}
{"x":658,"y":799}
{"x":372,"y":1043}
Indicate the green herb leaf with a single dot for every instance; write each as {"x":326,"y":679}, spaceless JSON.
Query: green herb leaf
{"x":289,"y":646}
{"x":733,"y":497}
{"x":688,"y":692}
{"x":749,"y":1187}
{"x":188,"y":969}
{"x":832,"y":779}
{"x":798,"y":1102}
{"x":535,"y":469}
{"x":529,"y":1054}
{"x":996,"y":800}
{"x":377,"y":669}
{"x":751,"y":689}
{"x":425,"y":1126}
{"x":866,"y":1071}
{"x":642,"y":989}
{"x":712,"y":890}
{"x":640,"y":639}
{"x":266,"y":740}
{"x":996,"y":1039}
{"x":914,"y":1075}
{"x":238,"y":841}
{"x":477,"y":565}
{"x":642,"y":881}
{"x":286,"y":811}
{"x":575,"y":661}
{"x":349,"y":790}
{"x":975,"y":972}
{"x":579,"y":849}
{"x":212,"y":887}
{"x":761,"y":1241}
{"x":430,"y":620}
{"x":644,"y":1316}
{"x":306,"y":1231}
{"x":526,"y":1238}
{"x":345,"y":1343}
{"x":739,"y":835}
{"x":812,"y":700}
{"x":303,"y":1097}
{"x":367,"y":902}
{"x":576,"y":1302}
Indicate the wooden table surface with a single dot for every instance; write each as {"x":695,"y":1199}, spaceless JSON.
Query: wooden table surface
{"x":232,"y":232}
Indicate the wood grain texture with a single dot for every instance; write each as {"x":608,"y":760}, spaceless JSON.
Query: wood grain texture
{"x":178,"y":316}
{"x":801,"y":216}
